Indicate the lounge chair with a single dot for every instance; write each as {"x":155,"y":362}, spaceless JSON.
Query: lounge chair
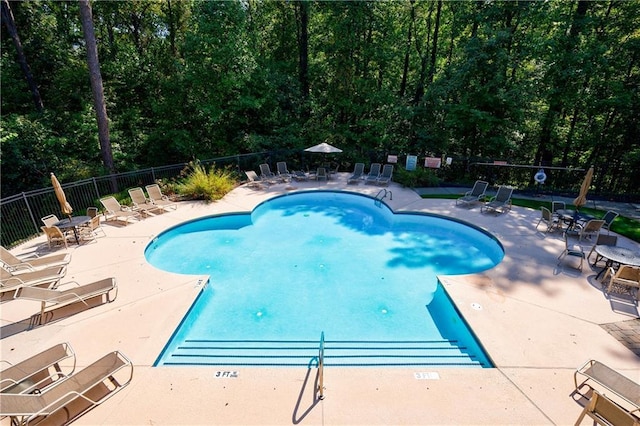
{"x":374,"y":173}
{"x":572,"y":250}
{"x":626,"y":279}
{"x":158,"y":198}
{"x":55,"y":236}
{"x":386,"y":175}
{"x":141,"y":203}
{"x":477,"y":194}
{"x":547,"y":217}
{"x":300,"y":175}
{"x":72,"y":396}
{"x":321,"y":174}
{"x":266,"y":174}
{"x":606,"y":412}
{"x":52,"y":299}
{"x":16,"y":265}
{"x":49,"y":278}
{"x":358,"y":171}
{"x":602,"y":240}
{"x":608,"y":218}
{"x":39,"y":371}
{"x":118,"y":212}
{"x":283,"y":173}
{"x":254,"y":180}
{"x":599,"y":376}
{"x":501,"y":202}
{"x":590,"y":229}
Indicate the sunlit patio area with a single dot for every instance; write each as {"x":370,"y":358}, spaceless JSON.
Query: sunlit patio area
{"x":537,"y":319}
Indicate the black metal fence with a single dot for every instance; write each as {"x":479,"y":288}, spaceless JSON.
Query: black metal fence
{"x":20,"y":215}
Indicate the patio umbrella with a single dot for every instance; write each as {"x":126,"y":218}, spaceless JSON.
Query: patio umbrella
{"x":581,"y":199}
{"x":324,"y":148}
{"x":62,"y":198}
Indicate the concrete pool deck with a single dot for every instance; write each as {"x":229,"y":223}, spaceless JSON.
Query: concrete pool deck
{"x":537,"y":321}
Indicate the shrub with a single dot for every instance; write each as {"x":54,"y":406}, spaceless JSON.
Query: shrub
{"x":418,"y":178}
{"x":200,"y":184}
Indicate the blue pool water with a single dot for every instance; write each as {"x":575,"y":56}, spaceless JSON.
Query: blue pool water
{"x":332,"y":262}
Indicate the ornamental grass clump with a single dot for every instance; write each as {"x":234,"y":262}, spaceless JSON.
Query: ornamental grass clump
{"x":211,"y":185}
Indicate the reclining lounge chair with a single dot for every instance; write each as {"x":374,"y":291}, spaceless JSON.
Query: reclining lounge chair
{"x":158,"y":198}
{"x":72,"y":396}
{"x":116,"y":211}
{"x":39,"y":371}
{"x":16,"y":265}
{"x":52,"y":299}
{"x":358,"y":171}
{"x":500,"y":203}
{"x":43,"y":278}
{"x":374,"y":173}
{"x":386,"y":175}
{"x":476,"y":194}
{"x":142,"y":204}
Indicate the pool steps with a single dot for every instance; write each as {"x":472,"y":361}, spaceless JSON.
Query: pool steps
{"x":343,"y":353}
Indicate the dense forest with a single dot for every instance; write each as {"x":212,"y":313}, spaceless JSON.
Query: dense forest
{"x":552,"y":83}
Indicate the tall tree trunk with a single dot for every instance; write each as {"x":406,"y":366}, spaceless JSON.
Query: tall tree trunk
{"x":303,"y":51}
{"x":10,"y":23}
{"x":96,"y":85}
{"x":407,"y":52}
{"x":434,"y":48}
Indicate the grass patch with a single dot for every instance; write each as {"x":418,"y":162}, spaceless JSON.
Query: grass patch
{"x":625,"y":226}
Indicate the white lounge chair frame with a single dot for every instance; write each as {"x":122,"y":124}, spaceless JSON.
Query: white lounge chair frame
{"x":158,"y":198}
{"x":501,"y":202}
{"x":118,"y":212}
{"x":17,"y":265}
{"x":476,"y":195}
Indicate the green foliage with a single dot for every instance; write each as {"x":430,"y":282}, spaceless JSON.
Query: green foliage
{"x":208,"y":185}
{"x":418,"y":178}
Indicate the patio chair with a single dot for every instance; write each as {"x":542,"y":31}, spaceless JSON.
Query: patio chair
{"x":386,"y":175}
{"x":501,"y":202}
{"x":141,"y":203}
{"x":39,"y":371}
{"x":602,"y":240}
{"x":158,"y":198}
{"x":17,"y":265}
{"x":90,"y":231}
{"x":72,"y":396}
{"x":626,"y":279}
{"x":254,"y":180}
{"x":56,"y":298}
{"x":374,"y":173}
{"x":283,"y":173}
{"x":548,"y":217}
{"x":116,"y":211}
{"x":571,"y":250}
{"x":300,"y":175}
{"x":56,"y":237}
{"x":266,"y":174}
{"x":358,"y":171}
{"x":608,"y":218}
{"x":588,"y":230}
{"x":606,"y":412}
{"x":558,"y":205}
{"x":321,"y":174}
{"x":43,"y":278}
{"x":477,"y":194}
{"x":50,"y":220}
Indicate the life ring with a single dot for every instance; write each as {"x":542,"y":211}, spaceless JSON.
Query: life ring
{"x":540,"y":177}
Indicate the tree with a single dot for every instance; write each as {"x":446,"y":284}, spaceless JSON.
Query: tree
{"x":10,"y":24}
{"x":86,"y":17}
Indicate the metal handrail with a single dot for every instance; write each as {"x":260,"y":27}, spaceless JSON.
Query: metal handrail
{"x":321,"y":367}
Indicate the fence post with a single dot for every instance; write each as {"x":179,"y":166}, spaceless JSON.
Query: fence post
{"x":33,"y":219}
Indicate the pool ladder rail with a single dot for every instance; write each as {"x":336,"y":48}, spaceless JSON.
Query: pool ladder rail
{"x":321,"y":367}
{"x":382,"y":194}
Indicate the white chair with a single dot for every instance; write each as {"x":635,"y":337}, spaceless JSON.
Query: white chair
{"x":548,"y":217}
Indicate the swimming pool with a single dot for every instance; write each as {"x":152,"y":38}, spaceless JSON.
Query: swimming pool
{"x":319,"y":261}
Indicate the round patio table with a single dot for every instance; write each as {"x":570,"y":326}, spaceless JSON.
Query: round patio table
{"x":619,"y":255}
{"x":73,"y":223}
